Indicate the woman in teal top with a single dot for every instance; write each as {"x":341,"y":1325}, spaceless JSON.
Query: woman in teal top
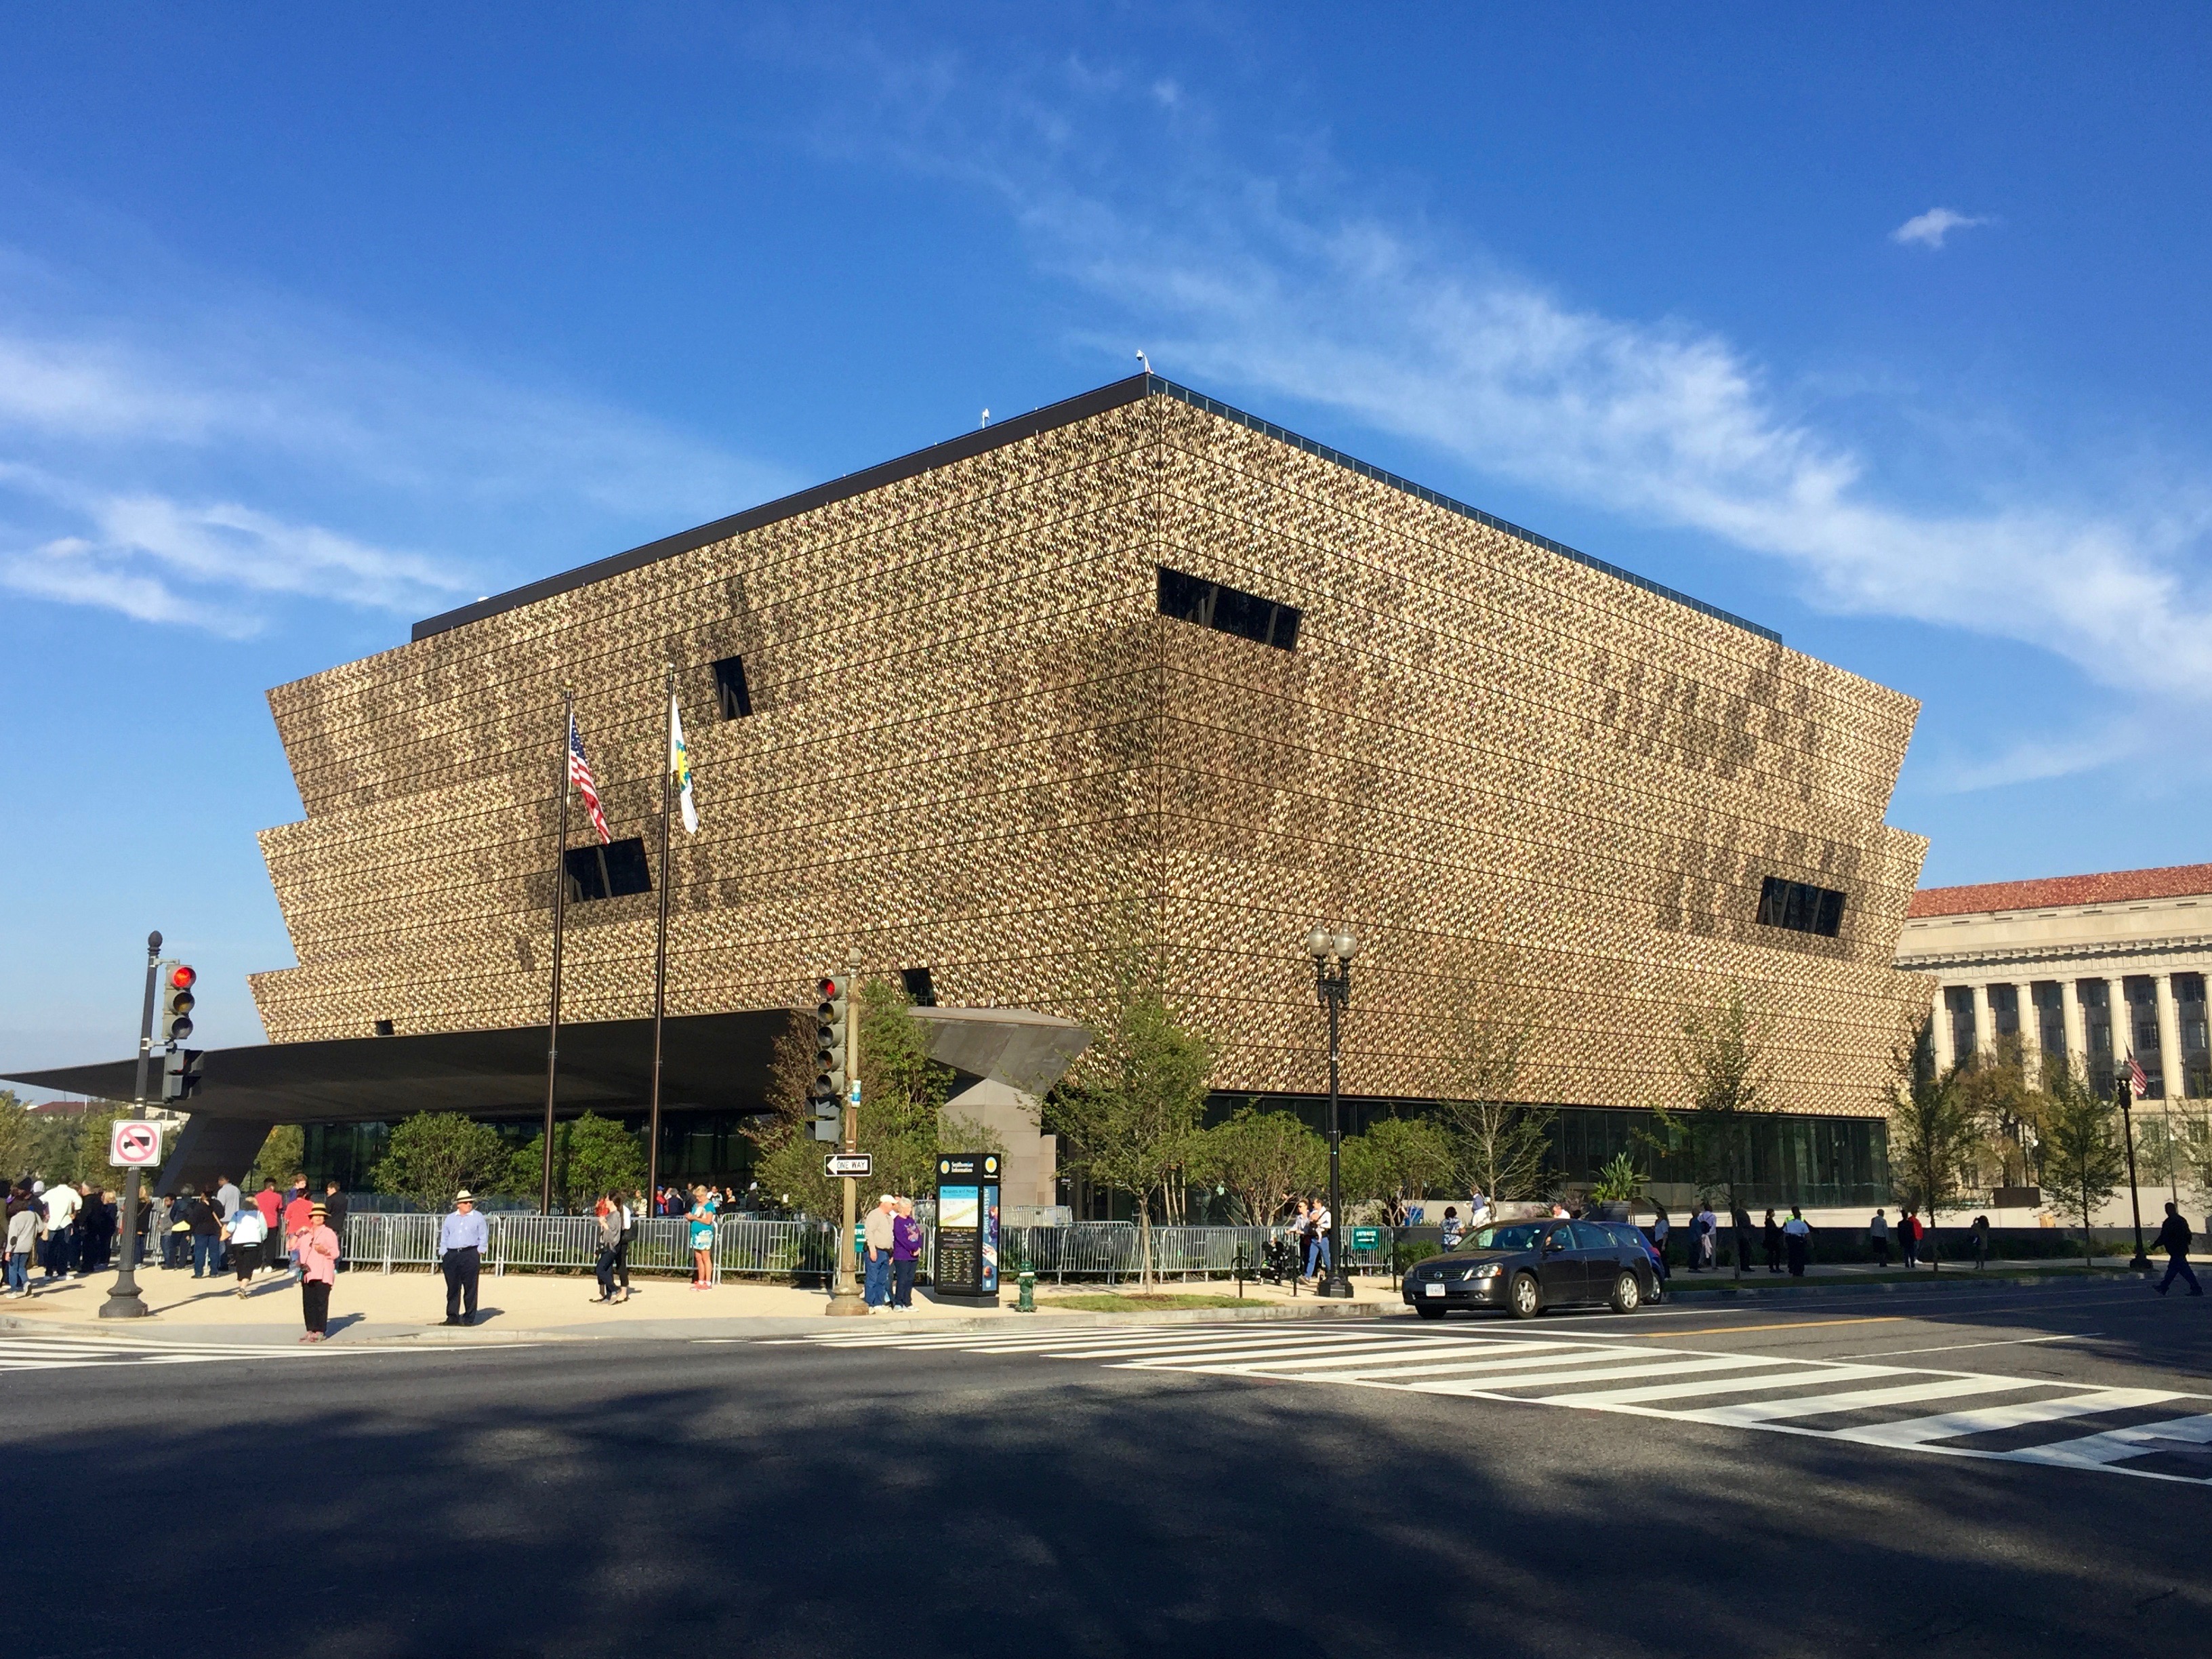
{"x":701,"y":1219}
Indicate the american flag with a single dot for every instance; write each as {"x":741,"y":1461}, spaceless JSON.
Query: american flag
{"x":579,"y":773}
{"x":2136,"y":1080}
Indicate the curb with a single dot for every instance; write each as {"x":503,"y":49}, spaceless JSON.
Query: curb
{"x":1967,"y":1280}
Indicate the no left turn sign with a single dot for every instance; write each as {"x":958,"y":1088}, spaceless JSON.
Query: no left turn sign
{"x":134,"y":1145}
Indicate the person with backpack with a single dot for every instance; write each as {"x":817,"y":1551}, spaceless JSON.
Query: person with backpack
{"x":1798,"y":1236}
{"x":1452,"y":1231}
{"x":2173,"y":1239}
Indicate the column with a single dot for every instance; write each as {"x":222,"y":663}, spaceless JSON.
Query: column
{"x":2030,"y":1032}
{"x":2077,"y":1028}
{"x":2169,"y":1037}
{"x":1944,"y":1058}
{"x":1985,"y":1025}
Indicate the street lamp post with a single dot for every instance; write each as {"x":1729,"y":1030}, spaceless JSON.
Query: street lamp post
{"x":1331,"y":954}
{"x":125,"y":1301}
{"x":2126,"y":1091}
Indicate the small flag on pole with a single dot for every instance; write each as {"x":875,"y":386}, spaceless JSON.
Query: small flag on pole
{"x":680,"y":763}
{"x":2136,"y":1080}
{"x":579,"y":773}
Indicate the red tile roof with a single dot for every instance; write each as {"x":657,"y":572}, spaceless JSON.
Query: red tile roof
{"x":2114,"y":887}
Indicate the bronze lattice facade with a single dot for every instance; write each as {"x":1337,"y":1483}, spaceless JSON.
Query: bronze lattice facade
{"x":976,"y":743}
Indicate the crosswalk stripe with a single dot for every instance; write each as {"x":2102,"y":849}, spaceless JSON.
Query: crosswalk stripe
{"x":1822,"y":1405}
{"x":1676,"y":1386}
{"x":1487,"y":1364}
{"x":2115,"y":1444}
{"x":1952,"y":1426}
{"x":1672,"y":1366}
{"x":1796,"y":1373}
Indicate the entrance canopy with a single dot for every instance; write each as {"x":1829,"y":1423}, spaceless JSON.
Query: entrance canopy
{"x":709,"y":1062}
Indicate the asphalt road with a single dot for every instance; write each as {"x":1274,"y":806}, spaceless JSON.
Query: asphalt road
{"x":1162,"y":1491}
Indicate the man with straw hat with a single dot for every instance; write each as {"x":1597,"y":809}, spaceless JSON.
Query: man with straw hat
{"x":463,"y":1237}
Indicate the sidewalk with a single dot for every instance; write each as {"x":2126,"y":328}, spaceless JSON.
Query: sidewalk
{"x":372,"y":1306}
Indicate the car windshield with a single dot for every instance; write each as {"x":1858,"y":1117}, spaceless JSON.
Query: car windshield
{"x":1516,"y":1236}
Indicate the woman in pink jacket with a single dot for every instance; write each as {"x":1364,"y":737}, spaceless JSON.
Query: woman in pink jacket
{"x":318,"y":1249}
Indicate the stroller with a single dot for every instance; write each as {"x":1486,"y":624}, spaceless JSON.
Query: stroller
{"x":1278,"y":1262}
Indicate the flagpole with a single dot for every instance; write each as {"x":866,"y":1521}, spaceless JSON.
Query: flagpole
{"x":660,"y":952}
{"x":560,"y":916}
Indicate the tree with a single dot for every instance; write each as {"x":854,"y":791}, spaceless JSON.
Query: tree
{"x":2083,"y":1160}
{"x":1721,"y":1059}
{"x":1499,"y":1145}
{"x":1397,"y":1158}
{"x":1935,"y":1128}
{"x":591,"y":1156}
{"x":283,"y":1156}
{"x":903,"y":1122}
{"x":1130,"y":1110}
{"x":1261,"y":1157}
{"x":19,"y":1136}
{"x":2006,"y":1097}
{"x":432,"y":1155}
{"x":2192,"y":1145}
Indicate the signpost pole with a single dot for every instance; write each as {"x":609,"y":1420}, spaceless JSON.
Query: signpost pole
{"x":125,"y":1302}
{"x":845,"y":1296}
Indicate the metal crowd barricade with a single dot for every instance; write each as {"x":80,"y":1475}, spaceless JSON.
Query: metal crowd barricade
{"x":806,"y":1248}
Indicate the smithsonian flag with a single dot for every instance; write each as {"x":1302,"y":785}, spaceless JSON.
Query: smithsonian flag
{"x":680,"y":763}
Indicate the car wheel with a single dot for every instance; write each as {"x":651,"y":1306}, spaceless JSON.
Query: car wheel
{"x":1628,"y":1294}
{"x":1428,"y":1310}
{"x":1526,"y":1301}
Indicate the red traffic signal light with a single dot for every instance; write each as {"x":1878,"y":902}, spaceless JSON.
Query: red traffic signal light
{"x":829,"y":990}
{"x":177,"y":1004}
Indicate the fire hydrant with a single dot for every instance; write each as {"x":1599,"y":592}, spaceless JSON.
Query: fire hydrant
{"x":1026,"y":1301}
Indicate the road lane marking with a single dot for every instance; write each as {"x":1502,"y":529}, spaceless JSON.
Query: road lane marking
{"x":1855,"y":1400}
{"x":1957,"y":1347}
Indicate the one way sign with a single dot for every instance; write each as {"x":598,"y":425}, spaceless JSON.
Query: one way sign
{"x":859,"y":1165}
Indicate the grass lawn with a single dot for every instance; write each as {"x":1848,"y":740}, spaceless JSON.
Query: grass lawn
{"x":1115,"y":1301}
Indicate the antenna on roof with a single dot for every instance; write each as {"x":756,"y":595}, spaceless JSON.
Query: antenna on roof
{"x":1143,"y":359}
{"x":986,"y":420}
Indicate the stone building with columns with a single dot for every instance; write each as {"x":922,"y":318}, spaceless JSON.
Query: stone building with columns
{"x":2097,"y":967}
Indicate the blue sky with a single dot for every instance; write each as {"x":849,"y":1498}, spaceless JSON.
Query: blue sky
{"x":1888,"y":332}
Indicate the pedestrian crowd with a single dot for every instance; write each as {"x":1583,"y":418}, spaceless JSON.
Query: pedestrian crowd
{"x":66,"y":1232}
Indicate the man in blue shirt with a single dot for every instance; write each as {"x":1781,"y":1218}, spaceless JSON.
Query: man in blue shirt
{"x":463,"y":1238}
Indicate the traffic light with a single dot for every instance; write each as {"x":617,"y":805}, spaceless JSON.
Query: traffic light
{"x":833,"y":1026}
{"x":177,"y":1000}
{"x":180,"y":1074}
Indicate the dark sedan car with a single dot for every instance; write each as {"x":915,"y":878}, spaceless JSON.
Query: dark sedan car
{"x":1525,"y":1266}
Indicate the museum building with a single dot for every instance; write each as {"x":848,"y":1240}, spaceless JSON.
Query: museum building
{"x":1137,"y":672}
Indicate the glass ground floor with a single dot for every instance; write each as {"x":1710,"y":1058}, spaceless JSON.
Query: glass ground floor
{"x":1817,"y":1162}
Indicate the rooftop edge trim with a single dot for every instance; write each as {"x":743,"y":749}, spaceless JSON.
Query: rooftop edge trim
{"x":986,"y":439}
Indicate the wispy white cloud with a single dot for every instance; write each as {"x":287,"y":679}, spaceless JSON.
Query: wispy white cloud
{"x":1287,"y":284}
{"x":1930,"y":228}
{"x":205,"y":463}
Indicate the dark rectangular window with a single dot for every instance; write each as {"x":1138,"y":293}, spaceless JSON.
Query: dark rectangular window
{"x":1959,"y":1003}
{"x":610,"y":871}
{"x":731,"y":694}
{"x":2004,"y":1011}
{"x":920,"y":988}
{"x":1799,"y":905}
{"x":2051,"y":1018}
{"x":2141,"y":1028}
{"x":2196,"y":1051}
{"x":1228,"y":610}
{"x":2097,"y":1031}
